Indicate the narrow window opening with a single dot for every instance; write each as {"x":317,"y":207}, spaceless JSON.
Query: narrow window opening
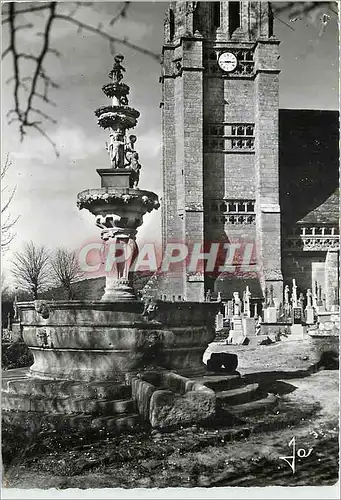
{"x":171,"y":24}
{"x":216,"y":14}
{"x":234,"y":16}
{"x":271,"y":21}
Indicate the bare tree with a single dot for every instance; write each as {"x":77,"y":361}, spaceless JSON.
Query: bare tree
{"x":7,"y":221}
{"x":66,"y":269}
{"x":31,"y":269}
{"x":32,"y":90}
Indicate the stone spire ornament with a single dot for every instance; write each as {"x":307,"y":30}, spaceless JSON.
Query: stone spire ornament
{"x":118,"y":118}
{"x":119,"y":205}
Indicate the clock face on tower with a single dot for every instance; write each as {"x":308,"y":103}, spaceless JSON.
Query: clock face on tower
{"x":227,"y":61}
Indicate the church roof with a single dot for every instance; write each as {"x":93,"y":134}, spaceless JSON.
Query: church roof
{"x":328,"y":212}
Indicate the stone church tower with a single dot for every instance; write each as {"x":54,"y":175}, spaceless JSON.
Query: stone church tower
{"x":220,"y":85}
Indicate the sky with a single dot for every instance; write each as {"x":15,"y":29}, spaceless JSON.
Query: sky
{"x":47,"y":186}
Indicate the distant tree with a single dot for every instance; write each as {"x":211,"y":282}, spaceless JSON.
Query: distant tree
{"x":7,"y":221}
{"x":66,"y":269}
{"x":31,"y":269}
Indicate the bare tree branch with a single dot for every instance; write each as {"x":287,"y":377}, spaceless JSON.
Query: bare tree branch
{"x":16,"y":22}
{"x":24,"y":107}
{"x":66,"y":269}
{"x":31,"y":269}
{"x":7,"y":222}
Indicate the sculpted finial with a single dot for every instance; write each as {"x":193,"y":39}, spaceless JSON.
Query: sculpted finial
{"x":117,"y":71}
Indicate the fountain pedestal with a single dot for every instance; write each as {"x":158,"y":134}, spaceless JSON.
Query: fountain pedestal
{"x":85,"y":353}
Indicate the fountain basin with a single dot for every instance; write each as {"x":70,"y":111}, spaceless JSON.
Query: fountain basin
{"x":103,"y":341}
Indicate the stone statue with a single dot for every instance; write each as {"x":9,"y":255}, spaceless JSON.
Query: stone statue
{"x":190,"y":7}
{"x":127,"y":245}
{"x":130,"y":146}
{"x":309,"y":298}
{"x":15,"y":308}
{"x":132,"y":159}
{"x":117,"y":71}
{"x":116,"y":149}
{"x":208,"y":296}
{"x":301,"y":301}
{"x":135,"y":165}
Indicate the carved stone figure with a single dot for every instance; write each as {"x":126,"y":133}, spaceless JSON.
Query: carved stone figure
{"x":136,"y":167}
{"x":117,"y":71}
{"x":116,"y":149}
{"x":42,"y":308}
{"x":190,"y":7}
{"x":309,"y":298}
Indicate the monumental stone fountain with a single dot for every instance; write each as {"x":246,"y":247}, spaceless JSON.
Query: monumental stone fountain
{"x":109,"y":363}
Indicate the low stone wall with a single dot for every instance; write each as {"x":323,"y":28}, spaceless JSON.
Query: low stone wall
{"x":168,"y":400}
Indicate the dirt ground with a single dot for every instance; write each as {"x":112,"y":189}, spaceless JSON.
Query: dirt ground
{"x":243,"y":452}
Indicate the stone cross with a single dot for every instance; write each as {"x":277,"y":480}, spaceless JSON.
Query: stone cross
{"x":286,"y":295}
{"x":315,"y":295}
{"x":247,"y":297}
{"x":229,"y":308}
{"x":294,"y":294}
{"x":266,"y":297}
{"x":255,"y":311}
{"x":319,"y":295}
{"x":271,"y":300}
{"x":237,"y":304}
{"x":336,"y":296}
{"x":9,"y":323}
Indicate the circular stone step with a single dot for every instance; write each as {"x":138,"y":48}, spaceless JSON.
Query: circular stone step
{"x":254,"y":407}
{"x":222,"y":382}
{"x":239,"y":395}
{"x":31,"y":403}
{"x":35,"y":422}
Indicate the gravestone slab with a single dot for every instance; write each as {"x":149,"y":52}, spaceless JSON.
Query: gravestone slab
{"x":297,"y":315}
{"x":309,"y":315}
